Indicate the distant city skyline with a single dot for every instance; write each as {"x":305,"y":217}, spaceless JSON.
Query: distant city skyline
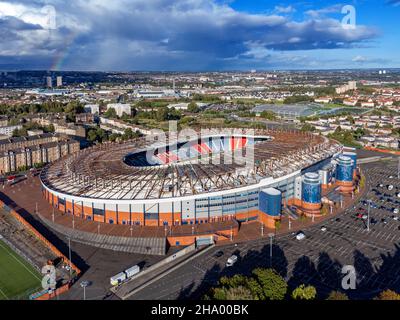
{"x":202,"y":35}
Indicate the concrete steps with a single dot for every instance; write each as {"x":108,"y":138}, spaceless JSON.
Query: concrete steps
{"x":142,"y":245}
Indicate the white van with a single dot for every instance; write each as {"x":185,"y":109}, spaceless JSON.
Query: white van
{"x":231,"y":261}
{"x":132,"y":271}
{"x":300,"y":236}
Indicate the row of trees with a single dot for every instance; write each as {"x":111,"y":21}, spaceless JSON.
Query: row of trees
{"x":347,"y":137}
{"x":100,"y":135}
{"x":267,"y":284}
{"x":72,"y":107}
{"x":23,"y":132}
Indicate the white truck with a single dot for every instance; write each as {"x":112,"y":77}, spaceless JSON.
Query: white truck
{"x":132,"y":271}
{"x":231,"y":261}
{"x":118,"y":279}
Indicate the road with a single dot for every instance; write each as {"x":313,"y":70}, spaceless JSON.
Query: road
{"x":316,"y":260}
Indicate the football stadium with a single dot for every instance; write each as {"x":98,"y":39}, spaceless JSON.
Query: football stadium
{"x":198,"y":180}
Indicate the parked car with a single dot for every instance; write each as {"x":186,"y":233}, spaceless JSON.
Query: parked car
{"x":231,"y":261}
{"x":300,"y":236}
{"x":323,"y":229}
{"x":219,"y":254}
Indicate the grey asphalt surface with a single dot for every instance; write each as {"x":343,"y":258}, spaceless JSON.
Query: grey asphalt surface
{"x":102,"y":264}
{"x":316,"y":260}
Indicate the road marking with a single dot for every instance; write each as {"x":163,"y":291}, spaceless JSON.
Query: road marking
{"x":4,"y":295}
{"x":14,"y":257}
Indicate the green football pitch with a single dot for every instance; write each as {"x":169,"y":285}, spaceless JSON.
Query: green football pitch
{"x":18,"y":278}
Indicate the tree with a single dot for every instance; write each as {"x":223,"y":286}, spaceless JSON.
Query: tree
{"x":235,"y":281}
{"x":92,"y":136}
{"x":239,"y":293}
{"x":273,"y":285}
{"x":113,"y":137}
{"x":162,"y":114}
{"x":128,"y":134}
{"x":218,"y":293}
{"x":193,"y":107}
{"x":97,"y":135}
{"x":111,"y":113}
{"x":307,"y":127}
{"x":297,"y":99}
{"x":337,"y":295}
{"x":324,"y":209}
{"x":74,"y":107}
{"x":269,"y":115}
{"x":351,"y":120}
{"x":388,"y":295}
{"x":304,"y":292}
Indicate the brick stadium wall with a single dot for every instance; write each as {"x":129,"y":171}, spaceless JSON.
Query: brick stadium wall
{"x":172,"y":218}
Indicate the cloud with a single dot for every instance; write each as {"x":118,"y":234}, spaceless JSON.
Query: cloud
{"x":337,"y":8}
{"x":160,"y":34}
{"x":359,"y":59}
{"x":281,"y":9}
{"x":393,"y":2}
{"x":363,"y":60}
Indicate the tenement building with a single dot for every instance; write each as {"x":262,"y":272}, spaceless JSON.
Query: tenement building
{"x":25,"y":152}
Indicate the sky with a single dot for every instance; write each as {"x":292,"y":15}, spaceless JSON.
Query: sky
{"x":198,"y":35}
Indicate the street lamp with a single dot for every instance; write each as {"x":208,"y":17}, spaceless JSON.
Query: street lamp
{"x":369,"y":208}
{"x":83,"y":285}
{"x":271,"y":237}
{"x":398,"y":169}
{"x":70,"y":258}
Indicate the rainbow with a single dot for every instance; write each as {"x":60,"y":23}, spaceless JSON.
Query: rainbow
{"x":62,"y":54}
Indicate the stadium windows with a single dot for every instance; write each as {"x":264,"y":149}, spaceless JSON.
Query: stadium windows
{"x":99,"y":212}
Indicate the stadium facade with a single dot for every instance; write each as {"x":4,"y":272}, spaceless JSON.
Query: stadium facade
{"x":117,"y":183}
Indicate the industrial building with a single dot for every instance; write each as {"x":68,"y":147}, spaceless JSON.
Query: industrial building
{"x":119,"y":184}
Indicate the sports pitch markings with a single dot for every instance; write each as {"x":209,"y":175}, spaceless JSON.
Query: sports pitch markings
{"x":17,"y":277}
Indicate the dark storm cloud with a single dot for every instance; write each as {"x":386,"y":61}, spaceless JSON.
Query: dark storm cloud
{"x":141,"y":34}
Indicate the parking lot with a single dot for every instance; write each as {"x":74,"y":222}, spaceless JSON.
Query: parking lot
{"x":318,"y":258}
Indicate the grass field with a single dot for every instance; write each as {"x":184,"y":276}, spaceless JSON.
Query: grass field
{"x":18,"y":278}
